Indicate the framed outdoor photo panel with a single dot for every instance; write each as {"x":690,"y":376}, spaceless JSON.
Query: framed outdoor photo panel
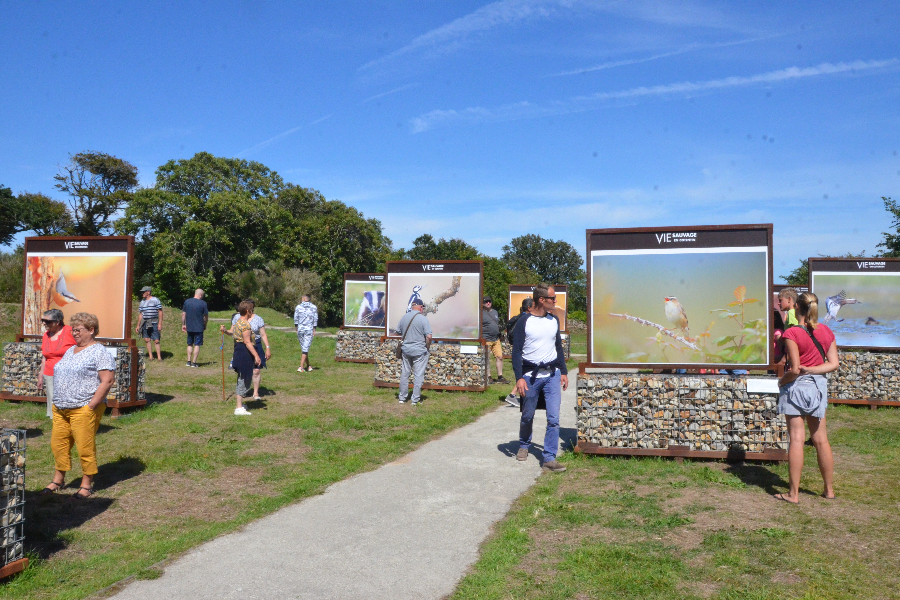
{"x":451,"y":291}
{"x":364,"y":300}
{"x":686,"y":297}
{"x":79,"y":274}
{"x":517,"y":293}
{"x":858,"y":300}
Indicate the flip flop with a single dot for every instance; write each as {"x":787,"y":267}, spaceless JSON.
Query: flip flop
{"x":829,"y":497}
{"x":783,"y":499}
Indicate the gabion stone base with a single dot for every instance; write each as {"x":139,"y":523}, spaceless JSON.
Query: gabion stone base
{"x":22,"y":361}
{"x":355,"y":345}
{"x":566,"y":344}
{"x":648,"y":411}
{"x":447,"y":369}
{"x":866,"y":375}
{"x":12,"y":495}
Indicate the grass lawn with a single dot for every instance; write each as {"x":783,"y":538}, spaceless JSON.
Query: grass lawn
{"x":651,"y":528}
{"x":185,"y":469}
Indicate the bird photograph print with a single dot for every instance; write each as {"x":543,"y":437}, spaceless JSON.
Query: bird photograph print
{"x":692,"y":307}
{"x":860,"y":308}
{"x":74,"y":283}
{"x":452,"y":302}
{"x":559,"y":308}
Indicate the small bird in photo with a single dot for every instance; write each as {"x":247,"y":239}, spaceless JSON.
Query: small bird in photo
{"x":676,"y":315}
{"x":834,"y":303}
{"x":61,"y":295}
{"x":415,"y":296}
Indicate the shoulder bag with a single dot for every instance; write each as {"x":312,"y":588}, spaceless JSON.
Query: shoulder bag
{"x":398,"y":352}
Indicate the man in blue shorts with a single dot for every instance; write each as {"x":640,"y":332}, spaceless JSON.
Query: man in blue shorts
{"x":150,"y":321}
{"x":194,"y":316}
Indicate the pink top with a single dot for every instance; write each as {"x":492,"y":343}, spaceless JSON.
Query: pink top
{"x":53,"y":350}
{"x":809,"y":354}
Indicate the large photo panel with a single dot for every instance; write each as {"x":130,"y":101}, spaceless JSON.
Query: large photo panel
{"x":518,"y":293}
{"x":364,"y":300}
{"x":72,"y":274}
{"x":451,"y":291}
{"x":680,"y":296}
{"x":858,"y":300}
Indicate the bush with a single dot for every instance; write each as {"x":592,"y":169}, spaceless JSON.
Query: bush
{"x":275,"y":287}
{"x":12,"y":268}
{"x":578,"y":315}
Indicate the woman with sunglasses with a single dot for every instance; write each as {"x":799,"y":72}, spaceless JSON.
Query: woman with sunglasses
{"x":82,"y":379}
{"x":56,"y":340}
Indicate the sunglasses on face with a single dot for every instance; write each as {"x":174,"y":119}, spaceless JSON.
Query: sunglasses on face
{"x":551,"y":298}
{"x":48,"y":321}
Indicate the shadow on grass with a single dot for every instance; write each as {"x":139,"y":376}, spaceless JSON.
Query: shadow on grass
{"x":157,"y":398}
{"x":48,"y":516}
{"x":251,"y":404}
{"x":125,"y":467}
{"x":758,"y":476}
{"x":34,"y":432}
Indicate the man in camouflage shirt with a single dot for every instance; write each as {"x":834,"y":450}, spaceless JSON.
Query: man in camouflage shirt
{"x":306,"y":318}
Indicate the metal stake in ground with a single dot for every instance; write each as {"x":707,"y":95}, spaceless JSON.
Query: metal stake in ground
{"x":222,"y":348}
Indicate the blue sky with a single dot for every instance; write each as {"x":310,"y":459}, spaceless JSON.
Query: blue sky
{"x":484,"y":120}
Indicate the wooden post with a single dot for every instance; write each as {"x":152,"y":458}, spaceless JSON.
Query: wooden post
{"x":223,"y":367}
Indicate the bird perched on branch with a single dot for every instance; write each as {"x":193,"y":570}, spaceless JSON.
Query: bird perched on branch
{"x":60,"y":294}
{"x":415,"y":296}
{"x":834,"y":303}
{"x":676,"y":315}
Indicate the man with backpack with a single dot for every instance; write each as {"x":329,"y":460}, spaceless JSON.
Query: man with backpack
{"x":539,"y":365}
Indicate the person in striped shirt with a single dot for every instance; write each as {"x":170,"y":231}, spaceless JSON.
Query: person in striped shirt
{"x":150,"y":321}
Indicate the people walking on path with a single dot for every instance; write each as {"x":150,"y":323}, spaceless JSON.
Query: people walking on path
{"x":491,"y":331}
{"x":539,"y":365}
{"x":803,"y":394}
{"x":56,"y":340}
{"x":150,"y":321}
{"x":306,"y":319}
{"x":260,"y":342}
{"x":415,"y":331}
{"x":513,"y":398}
{"x":194,"y":317}
{"x":245,"y":357}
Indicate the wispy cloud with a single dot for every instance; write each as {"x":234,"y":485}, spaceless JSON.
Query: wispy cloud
{"x":684,"y":50}
{"x":280,"y":136}
{"x":490,"y":16}
{"x":525,"y":110}
{"x":393,"y":91}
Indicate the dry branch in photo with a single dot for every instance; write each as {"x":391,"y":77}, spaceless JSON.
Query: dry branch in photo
{"x":432,"y":306}
{"x":40,"y":282}
{"x":662,"y":329}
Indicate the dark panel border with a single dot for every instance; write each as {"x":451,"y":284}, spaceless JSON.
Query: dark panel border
{"x":462,"y":267}
{"x":830,"y":265}
{"x":761,"y":228}
{"x":363,"y":277}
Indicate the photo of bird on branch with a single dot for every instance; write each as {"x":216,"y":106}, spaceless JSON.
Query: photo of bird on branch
{"x":452,"y":302}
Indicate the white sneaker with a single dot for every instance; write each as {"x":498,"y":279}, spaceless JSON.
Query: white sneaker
{"x":512,"y":400}
{"x":241,"y":411}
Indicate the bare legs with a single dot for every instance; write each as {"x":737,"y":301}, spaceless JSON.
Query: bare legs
{"x":195,"y":350}
{"x":797,"y":434}
{"x":257,"y":375}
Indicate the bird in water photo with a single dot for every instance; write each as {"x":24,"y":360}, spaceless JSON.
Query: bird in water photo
{"x":676,"y":315}
{"x":834,"y":303}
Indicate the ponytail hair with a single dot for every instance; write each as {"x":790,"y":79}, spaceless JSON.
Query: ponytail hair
{"x":808,"y":308}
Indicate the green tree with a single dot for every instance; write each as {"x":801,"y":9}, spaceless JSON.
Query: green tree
{"x":204,"y":174}
{"x":891,"y":241}
{"x":426,"y":248}
{"x":99,"y":185}
{"x":31,"y":212}
{"x":800,"y":275}
{"x":10,"y":217}
{"x":553,"y":261}
{"x":11,"y":275}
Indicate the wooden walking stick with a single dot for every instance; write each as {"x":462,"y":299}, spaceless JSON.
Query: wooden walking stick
{"x":223,"y":366}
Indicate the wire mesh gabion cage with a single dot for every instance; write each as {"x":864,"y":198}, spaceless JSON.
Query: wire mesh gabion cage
{"x":12,"y":495}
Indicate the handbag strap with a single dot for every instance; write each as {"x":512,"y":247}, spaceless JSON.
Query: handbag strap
{"x":408,"y":327}
{"x":815,"y":341}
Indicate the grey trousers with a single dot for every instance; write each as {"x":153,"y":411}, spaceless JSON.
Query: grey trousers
{"x":48,"y":389}
{"x":417,"y":364}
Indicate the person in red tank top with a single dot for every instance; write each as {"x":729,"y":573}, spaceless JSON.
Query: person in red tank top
{"x":804,"y":394}
{"x":56,"y":340}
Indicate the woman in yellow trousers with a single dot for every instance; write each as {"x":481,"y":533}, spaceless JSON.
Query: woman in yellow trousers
{"x":81,"y":381}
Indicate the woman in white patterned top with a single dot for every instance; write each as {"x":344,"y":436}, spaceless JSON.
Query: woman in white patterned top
{"x":81,"y":380}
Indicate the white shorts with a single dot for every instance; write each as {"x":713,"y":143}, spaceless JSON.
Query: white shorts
{"x":305,"y":336}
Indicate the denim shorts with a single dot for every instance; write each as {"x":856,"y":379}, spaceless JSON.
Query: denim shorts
{"x":195,"y":338}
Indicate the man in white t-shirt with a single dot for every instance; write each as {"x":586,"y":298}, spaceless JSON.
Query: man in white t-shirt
{"x":539,"y":365}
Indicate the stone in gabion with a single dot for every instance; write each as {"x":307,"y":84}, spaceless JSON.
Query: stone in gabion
{"x":446,"y":366}
{"x":655,"y":411}
{"x":357,"y":345}
{"x":12,"y":495}
{"x":22,"y":361}
{"x":862,"y":375}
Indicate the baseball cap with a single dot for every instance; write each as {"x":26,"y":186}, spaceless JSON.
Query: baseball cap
{"x":146,"y":288}
{"x":418,"y":302}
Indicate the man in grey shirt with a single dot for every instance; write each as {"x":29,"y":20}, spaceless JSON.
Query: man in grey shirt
{"x":416,"y":332}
